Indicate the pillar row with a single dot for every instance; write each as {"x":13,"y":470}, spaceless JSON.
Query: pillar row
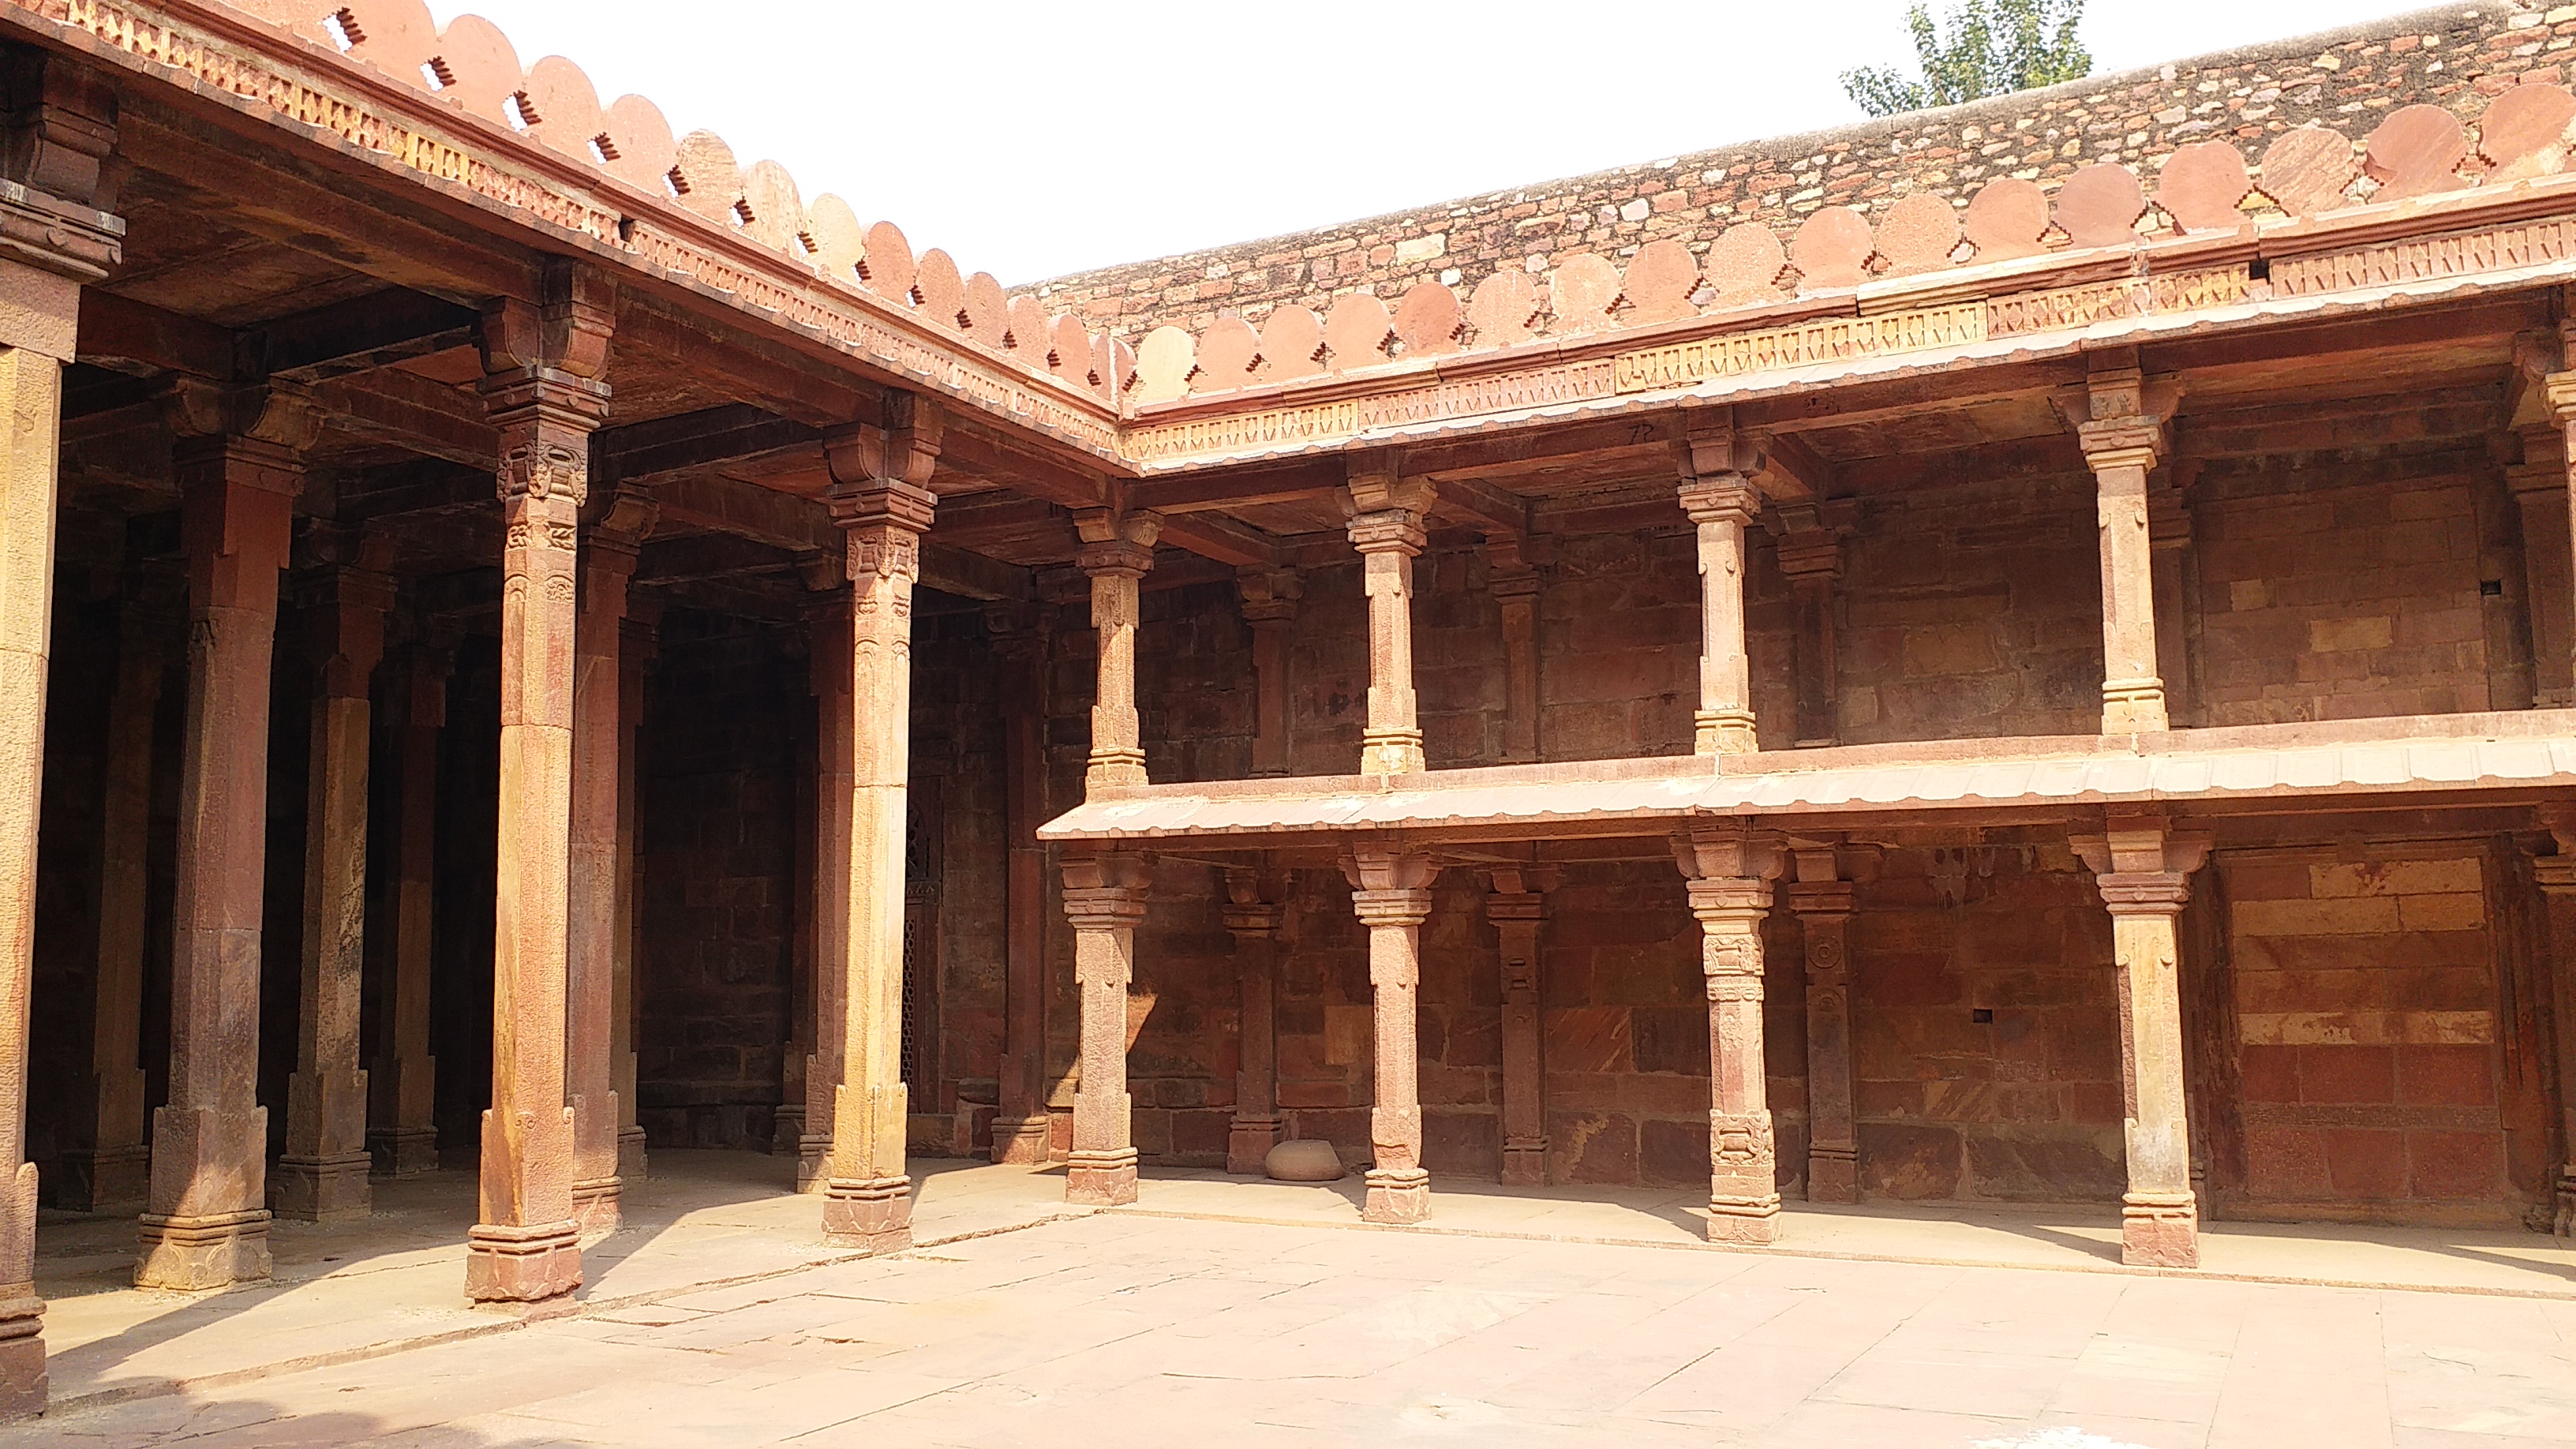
{"x":402,"y":1077}
{"x":1104,"y":900}
{"x":1730,"y":868}
{"x":1822,"y":901}
{"x":2144,"y":873}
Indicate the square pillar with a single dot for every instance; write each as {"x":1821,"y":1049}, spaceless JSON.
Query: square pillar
{"x":2540,"y":489}
{"x":402,"y":1077}
{"x":1387,"y":516}
{"x":1104,"y":899}
{"x":1253,"y":914}
{"x":827,"y":626}
{"x":1516,"y":903}
{"x":1822,"y":901}
{"x":1022,"y":638}
{"x":1515,"y":584}
{"x":61,"y":130}
{"x":2122,"y":441}
{"x":1811,"y":556}
{"x":322,"y":1175}
{"x":881,"y":498}
{"x":2556,"y":877}
{"x":1270,"y":598}
{"x":1721,"y":505}
{"x":1117,"y":550}
{"x":1730,"y":868}
{"x":240,"y":467}
{"x":110,"y":1169}
{"x":2144,"y":871}
{"x":595,"y":894}
{"x":1391,"y":891}
{"x":638,"y":636}
{"x":543,"y":394}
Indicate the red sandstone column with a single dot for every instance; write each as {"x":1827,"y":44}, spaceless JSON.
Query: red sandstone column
{"x":403,"y":1079}
{"x":1391,"y":891}
{"x":322,"y":1175}
{"x":1117,"y":550}
{"x":2145,"y":879}
{"x":1253,"y":914}
{"x":1722,"y":505}
{"x":2556,"y":876}
{"x":1730,"y":869}
{"x":239,"y":469}
{"x":1823,"y":903}
{"x":637,"y":636}
{"x":112,"y":1169}
{"x":58,"y":139}
{"x":1104,"y":899}
{"x":1270,"y":610}
{"x":1811,"y":556}
{"x":1517,"y":905}
{"x":1387,"y":515}
{"x":1515,"y":585}
{"x":827,"y":623}
{"x":2540,"y":487}
{"x":594,"y":894}
{"x":542,"y":391}
{"x":881,"y":498}
{"x":2122,"y":443}
{"x":1020,"y":638}
{"x":31,"y":364}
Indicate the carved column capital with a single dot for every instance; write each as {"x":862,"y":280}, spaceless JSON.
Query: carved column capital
{"x":1269,"y":595}
{"x":2143,"y":869}
{"x":1107,"y":892}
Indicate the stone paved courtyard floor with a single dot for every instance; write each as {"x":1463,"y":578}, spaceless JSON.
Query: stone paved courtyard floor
{"x":1241,"y":1313}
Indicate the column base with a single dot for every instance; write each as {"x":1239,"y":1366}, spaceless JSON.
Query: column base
{"x":1833,"y":1177}
{"x":1101,"y":1179}
{"x":1248,"y":1143}
{"x":1525,"y":1162}
{"x":530,"y":1265}
{"x":200,"y":1251}
{"x":598,"y":1204}
{"x":1396,"y":1195}
{"x":631,"y":1160}
{"x":1022,"y":1140}
{"x":786,"y":1130}
{"x":104,"y":1179}
{"x":1722,"y":732}
{"x":1745,"y":1222}
{"x":403,"y":1151}
{"x":322,"y":1189}
{"x":870,"y":1214}
{"x":22,"y":1357}
{"x":2159,"y":1230}
{"x":813,"y":1163}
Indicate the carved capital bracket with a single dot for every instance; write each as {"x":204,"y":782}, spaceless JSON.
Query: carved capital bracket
{"x":1381,"y":866}
{"x":1116,"y":543}
{"x":2142,"y":866}
{"x":900,"y":447}
{"x":1107,"y":892}
{"x":1270,"y":595}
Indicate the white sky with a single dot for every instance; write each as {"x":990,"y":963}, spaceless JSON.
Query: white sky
{"x":1036,"y":137}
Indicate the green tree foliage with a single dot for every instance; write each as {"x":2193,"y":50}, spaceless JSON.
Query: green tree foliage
{"x":1995,"y":47}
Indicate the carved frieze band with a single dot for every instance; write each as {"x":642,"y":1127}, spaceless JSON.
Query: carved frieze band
{"x":219,"y":66}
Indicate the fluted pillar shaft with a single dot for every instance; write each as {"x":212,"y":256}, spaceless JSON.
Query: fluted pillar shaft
{"x":1730,"y":870}
{"x":1117,"y":550}
{"x":1721,"y":506}
{"x":1388,"y":514}
{"x":1391,"y":892}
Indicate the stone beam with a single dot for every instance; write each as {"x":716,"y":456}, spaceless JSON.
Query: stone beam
{"x":1214,"y":536}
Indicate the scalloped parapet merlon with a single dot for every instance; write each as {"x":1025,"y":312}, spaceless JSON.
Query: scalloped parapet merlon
{"x":2199,"y":189}
{"x":551,"y":104}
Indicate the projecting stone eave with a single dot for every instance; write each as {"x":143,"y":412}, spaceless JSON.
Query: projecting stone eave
{"x":1978,"y":112}
{"x":2516,"y":757}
